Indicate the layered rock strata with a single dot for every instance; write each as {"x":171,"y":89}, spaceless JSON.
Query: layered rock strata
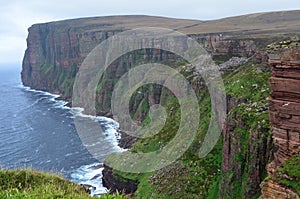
{"x":284,"y":114}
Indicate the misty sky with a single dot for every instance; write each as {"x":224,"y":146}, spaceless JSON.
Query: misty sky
{"x":17,"y":15}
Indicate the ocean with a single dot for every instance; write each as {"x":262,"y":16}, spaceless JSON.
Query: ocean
{"x":37,"y":131}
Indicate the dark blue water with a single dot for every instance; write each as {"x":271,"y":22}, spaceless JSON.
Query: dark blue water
{"x":37,"y":131}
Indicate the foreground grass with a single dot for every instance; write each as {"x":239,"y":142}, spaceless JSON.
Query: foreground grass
{"x":26,"y":183}
{"x":32,"y":184}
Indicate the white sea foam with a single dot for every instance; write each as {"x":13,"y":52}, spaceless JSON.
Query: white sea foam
{"x":38,"y":91}
{"x":111,"y":131}
{"x":51,"y":97}
{"x":78,"y":112}
{"x":90,"y":175}
{"x":110,"y":126}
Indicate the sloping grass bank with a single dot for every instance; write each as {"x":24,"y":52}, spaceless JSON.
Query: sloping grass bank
{"x":27,"y":183}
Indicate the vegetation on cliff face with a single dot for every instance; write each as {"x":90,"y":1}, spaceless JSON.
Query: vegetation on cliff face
{"x":188,"y":177}
{"x":247,"y":139}
{"x":283,"y":45}
{"x":192,"y":177}
{"x":288,"y":174}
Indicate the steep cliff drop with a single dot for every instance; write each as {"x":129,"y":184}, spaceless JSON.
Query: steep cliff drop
{"x":56,"y":50}
{"x":283,"y":180}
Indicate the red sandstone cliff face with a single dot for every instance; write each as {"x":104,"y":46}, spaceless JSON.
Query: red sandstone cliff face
{"x":284,"y":114}
{"x":247,"y":142}
{"x":243,"y":165}
{"x":54,"y":53}
{"x":56,"y":50}
{"x":271,"y":189}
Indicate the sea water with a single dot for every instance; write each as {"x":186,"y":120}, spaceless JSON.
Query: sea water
{"x":37,"y":131}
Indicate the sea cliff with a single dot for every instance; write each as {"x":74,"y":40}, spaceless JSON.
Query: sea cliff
{"x":237,"y":165}
{"x":284,"y":175}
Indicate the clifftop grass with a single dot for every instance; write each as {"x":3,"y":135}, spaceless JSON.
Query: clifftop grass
{"x":26,"y":183}
{"x":32,"y":184}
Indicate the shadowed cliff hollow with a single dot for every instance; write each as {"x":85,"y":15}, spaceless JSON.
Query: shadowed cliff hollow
{"x":237,"y":165}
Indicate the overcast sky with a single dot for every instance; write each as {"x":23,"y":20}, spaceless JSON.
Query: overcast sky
{"x":17,"y":15}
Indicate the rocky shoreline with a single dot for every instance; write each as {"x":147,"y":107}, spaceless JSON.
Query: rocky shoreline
{"x":110,"y":180}
{"x":117,"y":183}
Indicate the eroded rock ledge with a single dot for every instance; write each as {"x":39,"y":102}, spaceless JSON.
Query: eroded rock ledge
{"x":272,"y":189}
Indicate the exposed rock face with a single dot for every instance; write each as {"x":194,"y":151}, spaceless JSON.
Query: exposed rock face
{"x":54,"y":53}
{"x":284,"y":114}
{"x":115,"y":182}
{"x":243,"y":165}
{"x":285,"y":103}
{"x":218,"y":44}
{"x":271,"y":189}
{"x":56,"y":50}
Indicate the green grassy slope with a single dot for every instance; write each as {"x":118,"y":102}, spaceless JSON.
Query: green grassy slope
{"x":27,"y":183}
{"x":190,"y":176}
